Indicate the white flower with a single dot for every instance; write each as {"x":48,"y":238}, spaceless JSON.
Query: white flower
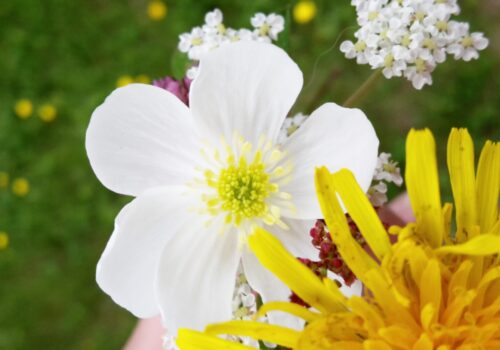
{"x":205,"y":176}
{"x":410,"y":37}
{"x":469,"y":45}
{"x":268,"y":26}
{"x":387,"y":170}
{"x":378,"y":194}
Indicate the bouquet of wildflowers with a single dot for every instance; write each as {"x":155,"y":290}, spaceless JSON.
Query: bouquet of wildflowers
{"x":253,"y":228}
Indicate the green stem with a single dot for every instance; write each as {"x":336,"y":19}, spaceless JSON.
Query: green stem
{"x":363,"y":89}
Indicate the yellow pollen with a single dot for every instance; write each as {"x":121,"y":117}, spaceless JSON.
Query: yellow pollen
{"x":264,"y":30}
{"x":467,"y":41}
{"x":242,"y":183}
{"x":221,"y":28}
{"x":360,"y":46}
{"x":196,"y":41}
{"x":406,"y":41}
{"x":420,"y":65}
{"x":388,"y":60}
{"x":372,"y":15}
{"x":243,"y":188}
{"x":442,"y":26}
{"x":429,"y":43}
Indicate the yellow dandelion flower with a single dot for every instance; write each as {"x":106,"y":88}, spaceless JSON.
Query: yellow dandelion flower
{"x":4,"y":179}
{"x":4,"y":240}
{"x":23,"y":108}
{"x":47,"y":113}
{"x":304,"y":11}
{"x":437,"y":288}
{"x":157,"y":10}
{"x":143,"y":79}
{"x":20,"y":187}
{"x":124,"y":80}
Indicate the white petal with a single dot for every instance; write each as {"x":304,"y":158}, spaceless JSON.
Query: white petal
{"x":127,"y":268}
{"x":197,"y":276}
{"x":244,"y":87}
{"x":141,"y":137}
{"x":296,"y":239}
{"x":269,"y":287}
{"x":334,"y":137}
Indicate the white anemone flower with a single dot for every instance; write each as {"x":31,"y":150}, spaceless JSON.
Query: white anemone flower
{"x":205,"y":176}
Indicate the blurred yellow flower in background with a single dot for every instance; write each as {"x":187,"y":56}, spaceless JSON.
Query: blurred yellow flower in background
{"x":23,"y":108}
{"x":47,"y":113}
{"x":304,"y":11}
{"x":157,"y":10}
{"x":20,"y":187}
{"x":4,"y":179}
{"x":143,"y":79}
{"x":4,"y":240}
{"x":124,"y":80}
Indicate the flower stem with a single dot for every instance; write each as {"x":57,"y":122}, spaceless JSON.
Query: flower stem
{"x":363,"y":89}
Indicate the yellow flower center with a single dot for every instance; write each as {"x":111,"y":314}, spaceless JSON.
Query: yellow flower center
{"x":264,"y":30}
{"x":360,"y":46}
{"x":243,"y":187}
{"x":243,"y":184}
{"x":372,"y":15}
{"x":467,"y":42}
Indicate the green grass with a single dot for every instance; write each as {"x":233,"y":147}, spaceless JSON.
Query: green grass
{"x":70,"y":53}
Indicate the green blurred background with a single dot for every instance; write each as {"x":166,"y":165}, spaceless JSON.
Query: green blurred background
{"x":70,"y":54}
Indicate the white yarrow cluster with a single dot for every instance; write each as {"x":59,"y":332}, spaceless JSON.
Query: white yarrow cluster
{"x":387,"y":171}
{"x":214,"y":33}
{"x":410,"y":37}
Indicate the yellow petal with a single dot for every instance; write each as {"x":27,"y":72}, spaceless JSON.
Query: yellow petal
{"x":488,"y":185}
{"x":194,"y":340}
{"x":362,"y":212}
{"x":336,"y":331}
{"x":398,"y":336}
{"x":293,"y":273}
{"x":447,"y":211}
{"x":260,"y":331}
{"x":463,"y":182}
{"x":370,"y":314}
{"x":430,"y":286}
{"x":485,"y":244}
{"x":375,"y":345}
{"x":394,"y":306}
{"x":352,"y":253}
{"x":291,"y":308}
{"x":459,"y":280}
{"x":423,"y":343}
{"x":422,"y":183}
{"x":488,"y":279}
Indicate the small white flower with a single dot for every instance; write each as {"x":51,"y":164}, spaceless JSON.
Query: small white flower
{"x":205,"y":176}
{"x":378,"y":194}
{"x":268,"y":26}
{"x":388,"y":170}
{"x":192,"y":42}
{"x":468,"y":47}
